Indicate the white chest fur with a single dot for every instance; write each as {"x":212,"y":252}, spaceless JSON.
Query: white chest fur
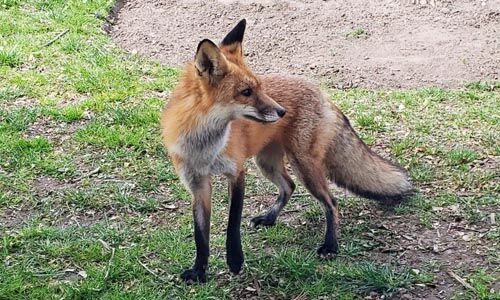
{"x":202,"y":149}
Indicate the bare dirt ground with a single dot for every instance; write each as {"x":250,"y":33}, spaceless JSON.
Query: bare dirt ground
{"x":370,"y":44}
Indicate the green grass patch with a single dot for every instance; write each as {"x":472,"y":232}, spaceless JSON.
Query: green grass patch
{"x":66,"y":114}
{"x":91,"y":206}
{"x":482,"y":281}
{"x":357,"y":33}
{"x":6,"y":4}
{"x":461,"y":156}
{"x":10,"y":58}
{"x":112,"y":137}
{"x":10,"y":93}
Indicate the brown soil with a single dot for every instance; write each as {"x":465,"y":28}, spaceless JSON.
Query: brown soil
{"x":371,"y":44}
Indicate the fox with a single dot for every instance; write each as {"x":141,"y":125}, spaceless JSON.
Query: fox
{"x":220,"y":114}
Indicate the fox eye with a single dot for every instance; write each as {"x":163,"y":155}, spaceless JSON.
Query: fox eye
{"x":246,"y":92}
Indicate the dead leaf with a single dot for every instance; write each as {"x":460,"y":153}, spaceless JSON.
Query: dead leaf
{"x":170,"y":206}
{"x":420,"y":149}
{"x":83,"y":274}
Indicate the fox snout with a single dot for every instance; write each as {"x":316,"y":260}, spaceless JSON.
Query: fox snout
{"x":274,"y":113}
{"x":268,"y":113}
{"x":262,"y":109}
{"x":269,"y":109}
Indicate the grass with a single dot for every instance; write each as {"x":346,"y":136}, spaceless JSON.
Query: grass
{"x":481,"y":282}
{"x":458,"y":157}
{"x":9,"y":58}
{"x":357,"y":33}
{"x":91,"y":207}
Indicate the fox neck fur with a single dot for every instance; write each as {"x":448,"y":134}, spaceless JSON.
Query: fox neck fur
{"x":198,"y":134}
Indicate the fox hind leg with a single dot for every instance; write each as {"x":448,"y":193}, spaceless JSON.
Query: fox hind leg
{"x":270,"y":162}
{"x":312,"y":175}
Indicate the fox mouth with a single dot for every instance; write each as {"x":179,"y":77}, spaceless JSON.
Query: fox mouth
{"x":263,"y":118}
{"x":267,"y":115}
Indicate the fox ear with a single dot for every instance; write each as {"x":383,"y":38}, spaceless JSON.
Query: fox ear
{"x":233,"y":40}
{"x":210,"y":62}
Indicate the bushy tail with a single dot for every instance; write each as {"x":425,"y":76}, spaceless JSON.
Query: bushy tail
{"x":356,"y":167}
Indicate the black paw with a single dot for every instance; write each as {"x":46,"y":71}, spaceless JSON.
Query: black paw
{"x":193,"y":276}
{"x":328,"y":251}
{"x":264,"y":220}
{"x":235,"y":262}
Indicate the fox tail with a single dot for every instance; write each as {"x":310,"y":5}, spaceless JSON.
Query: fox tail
{"x":353,"y":165}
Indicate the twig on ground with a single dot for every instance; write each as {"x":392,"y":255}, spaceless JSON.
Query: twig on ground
{"x":461,"y":280}
{"x":299,"y":195}
{"x":55,"y":274}
{"x":392,"y":250}
{"x":149,"y":270}
{"x":108,"y":268}
{"x":466,"y":228}
{"x":104,"y":244}
{"x":60,"y":35}
{"x":96,"y":170}
{"x":301,"y":296}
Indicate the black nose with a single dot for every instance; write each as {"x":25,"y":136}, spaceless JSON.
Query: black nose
{"x":281,"y":112}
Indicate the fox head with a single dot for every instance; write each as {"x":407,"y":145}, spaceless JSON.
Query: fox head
{"x":224,"y":74}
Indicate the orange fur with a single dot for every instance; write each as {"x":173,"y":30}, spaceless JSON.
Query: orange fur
{"x":308,"y":129}
{"x":221,"y":114}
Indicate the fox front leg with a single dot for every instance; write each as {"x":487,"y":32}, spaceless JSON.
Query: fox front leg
{"x":234,"y":253}
{"x":201,"y":190}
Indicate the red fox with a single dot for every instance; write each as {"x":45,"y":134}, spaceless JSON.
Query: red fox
{"x":221,"y":113}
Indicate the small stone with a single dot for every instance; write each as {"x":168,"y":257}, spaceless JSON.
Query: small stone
{"x":467,"y":237}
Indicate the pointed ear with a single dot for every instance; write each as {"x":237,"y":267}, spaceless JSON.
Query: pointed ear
{"x":210,"y":62}
{"x":232,"y":42}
